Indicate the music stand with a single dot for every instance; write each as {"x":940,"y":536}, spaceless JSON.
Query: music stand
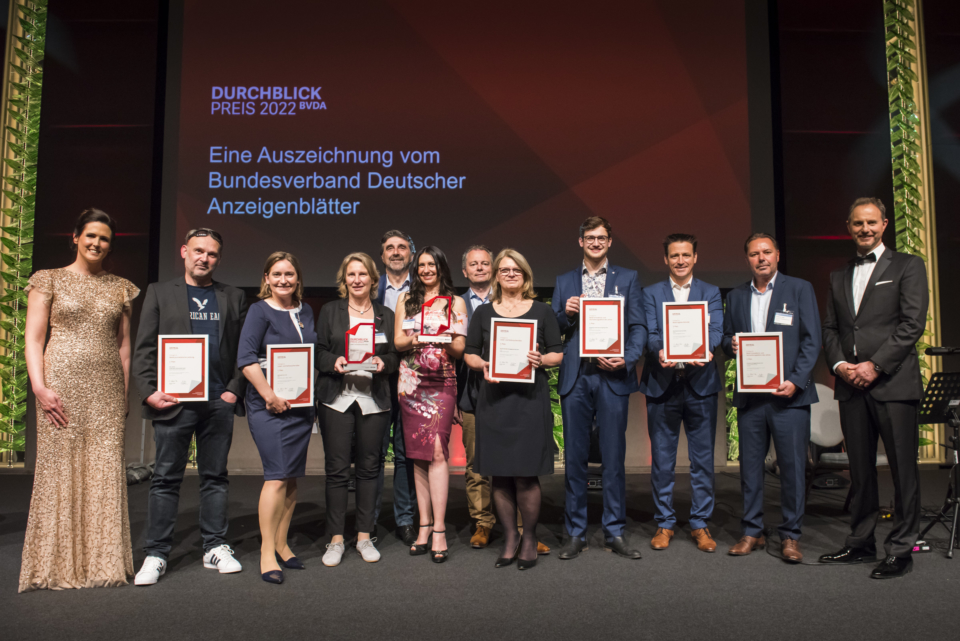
{"x":941,"y":404}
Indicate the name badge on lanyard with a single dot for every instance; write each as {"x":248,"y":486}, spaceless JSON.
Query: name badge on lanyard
{"x":783,"y":317}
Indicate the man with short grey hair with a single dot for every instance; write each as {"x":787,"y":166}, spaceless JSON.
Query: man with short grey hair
{"x":477,"y":264}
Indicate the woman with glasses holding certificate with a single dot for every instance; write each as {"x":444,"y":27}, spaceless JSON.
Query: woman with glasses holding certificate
{"x":355,"y":356}
{"x":511,"y":340}
{"x":281,"y":432}
{"x":429,"y":329}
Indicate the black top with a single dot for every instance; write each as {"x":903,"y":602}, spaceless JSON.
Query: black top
{"x":205,"y":319}
{"x":514,"y":420}
{"x":332,"y":326}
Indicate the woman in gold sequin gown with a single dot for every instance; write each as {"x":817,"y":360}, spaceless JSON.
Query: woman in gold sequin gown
{"x":78,"y":530}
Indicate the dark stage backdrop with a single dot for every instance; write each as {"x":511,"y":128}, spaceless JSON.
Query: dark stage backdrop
{"x":316,"y":128}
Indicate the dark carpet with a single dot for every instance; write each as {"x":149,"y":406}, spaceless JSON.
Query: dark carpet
{"x":679,"y":593}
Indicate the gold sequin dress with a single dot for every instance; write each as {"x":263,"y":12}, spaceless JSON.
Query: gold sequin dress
{"x":78,"y":530}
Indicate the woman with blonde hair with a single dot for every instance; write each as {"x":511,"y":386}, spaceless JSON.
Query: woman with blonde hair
{"x":514,"y":420}
{"x":353,"y":404}
{"x":280,"y":432}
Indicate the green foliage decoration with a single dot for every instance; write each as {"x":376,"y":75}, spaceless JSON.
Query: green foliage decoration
{"x":20,"y":185}
{"x":905,"y":138}
{"x":733,"y":431}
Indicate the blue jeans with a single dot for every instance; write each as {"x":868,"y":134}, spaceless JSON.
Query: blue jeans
{"x":404,"y":494}
{"x":212,"y":422}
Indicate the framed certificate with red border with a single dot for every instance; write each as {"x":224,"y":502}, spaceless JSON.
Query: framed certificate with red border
{"x":182,"y":366}
{"x":361,"y":346}
{"x":435,"y":320}
{"x":511,"y":339}
{"x":601,"y":327}
{"x":759,"y":362}
{"x":686,"y":332}
{"x":290,"y":373}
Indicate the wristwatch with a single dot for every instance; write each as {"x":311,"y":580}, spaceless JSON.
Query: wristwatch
{"x":878,"y":369}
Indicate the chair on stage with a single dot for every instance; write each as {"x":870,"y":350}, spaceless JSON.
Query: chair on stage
{"x":825,"y":433}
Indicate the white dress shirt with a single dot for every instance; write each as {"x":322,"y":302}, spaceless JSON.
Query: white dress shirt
{"x":681,"y":293}
{"x":861,"y":276}
{"x":760,"y":305}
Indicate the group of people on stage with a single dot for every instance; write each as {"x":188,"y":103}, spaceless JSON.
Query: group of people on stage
{"x":78,"y":532}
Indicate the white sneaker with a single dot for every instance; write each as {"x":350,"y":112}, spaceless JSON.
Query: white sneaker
{"x":366,"y":550}
{"x":221,"y":558}
{"x":333,"y":555}
{"x":150,"y":572}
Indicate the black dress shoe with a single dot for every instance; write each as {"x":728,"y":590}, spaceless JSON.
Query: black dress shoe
{"x":893,"y":567}
{"x":619,"y":545}
{"x":851,"y":556}
{"x":407,"y":534}
{"x":526,"y":565}
{"x":572,"y":548}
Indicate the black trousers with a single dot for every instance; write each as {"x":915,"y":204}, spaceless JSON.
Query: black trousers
{"x":864,"y":419}
{"x":337,"y":430}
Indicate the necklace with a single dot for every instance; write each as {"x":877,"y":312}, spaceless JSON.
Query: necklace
{"x":360,"y":311}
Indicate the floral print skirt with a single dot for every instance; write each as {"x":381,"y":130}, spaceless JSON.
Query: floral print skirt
{"x":427,"y":405}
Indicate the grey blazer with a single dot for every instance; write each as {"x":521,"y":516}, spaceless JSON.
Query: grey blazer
{"x":166,"y":311}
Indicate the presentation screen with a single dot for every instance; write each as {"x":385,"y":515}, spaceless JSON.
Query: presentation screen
{"x":314,"y":127}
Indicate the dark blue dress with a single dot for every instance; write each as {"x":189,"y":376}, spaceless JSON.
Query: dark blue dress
{"x":282,"y":439}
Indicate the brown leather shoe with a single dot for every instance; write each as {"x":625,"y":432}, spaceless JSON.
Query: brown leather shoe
{"x":790,"y":550}
{"x":542,"y":548}
{"x":746,"y":545}
{"x":704,"y":541}
{"x":661,"y":540}
{"x":480,"y":538}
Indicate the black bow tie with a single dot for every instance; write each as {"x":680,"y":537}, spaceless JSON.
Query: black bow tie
{"x":869,"y":258}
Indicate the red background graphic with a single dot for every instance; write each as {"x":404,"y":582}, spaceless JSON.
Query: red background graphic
{"x":635,"y":111}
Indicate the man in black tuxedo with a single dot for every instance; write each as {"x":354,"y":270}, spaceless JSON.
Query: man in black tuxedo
{"x":191,"y":304}
{"x":876,"y":313}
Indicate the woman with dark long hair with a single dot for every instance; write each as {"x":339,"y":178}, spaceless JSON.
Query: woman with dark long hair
{"x":428,"y":392}
{"x":78,"y":530}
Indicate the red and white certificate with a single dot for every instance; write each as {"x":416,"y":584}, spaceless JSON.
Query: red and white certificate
{"x":511,"y":339}
{"x":601,"y":327}
{"x":290,"y":373}
{"x":760,"y":362}
{"x":686,"y":332}
{"x":361,"y":346}
{"x":182,"y":366}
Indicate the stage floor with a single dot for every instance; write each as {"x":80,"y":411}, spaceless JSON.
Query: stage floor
{"x":679,"y":593}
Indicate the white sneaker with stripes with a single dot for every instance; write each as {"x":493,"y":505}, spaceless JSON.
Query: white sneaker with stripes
{"x":221,"y":558}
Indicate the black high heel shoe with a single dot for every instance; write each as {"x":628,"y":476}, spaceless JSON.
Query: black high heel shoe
{"x":438,"y":556}
{"x":293,"y":563}
{"x":504,"y":561}
{"x":419,"y":549}
{"x":526,"y":565}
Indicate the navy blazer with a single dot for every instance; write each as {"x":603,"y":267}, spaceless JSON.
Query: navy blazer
{"x":627,"y":285}
{"x":801,"y":341}
{"x":656,"y":378}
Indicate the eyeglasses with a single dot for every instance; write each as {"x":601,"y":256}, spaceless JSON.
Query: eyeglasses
{"x":202,"y":233}
{"x":506,"y":271}
{"x":589,"y":240}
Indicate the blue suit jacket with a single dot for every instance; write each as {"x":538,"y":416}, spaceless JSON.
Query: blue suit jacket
{"x":801,"y":341}
{"x":655,"y":378}
{"x":627,"y":285}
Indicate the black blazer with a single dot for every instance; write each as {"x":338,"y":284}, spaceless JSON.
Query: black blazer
{"x":166,"y":311}
{"x":332,"y":324}
{"x":891,"y":319}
